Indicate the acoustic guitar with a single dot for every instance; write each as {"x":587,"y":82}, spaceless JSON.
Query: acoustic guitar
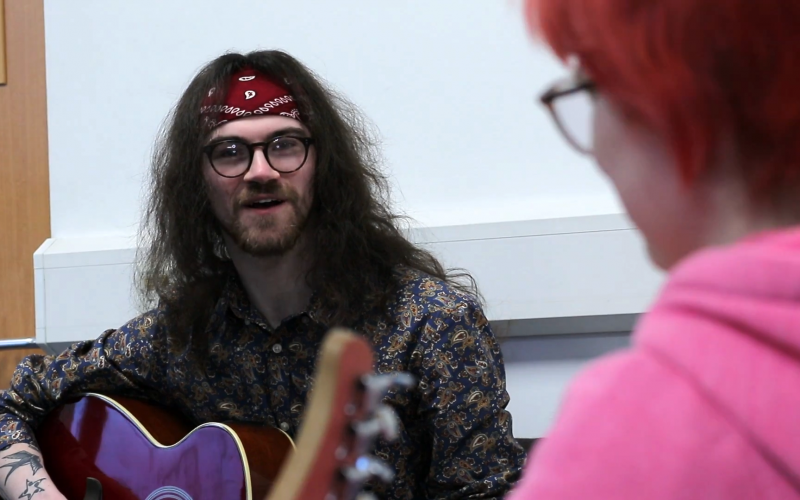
{"x":97,"y":446}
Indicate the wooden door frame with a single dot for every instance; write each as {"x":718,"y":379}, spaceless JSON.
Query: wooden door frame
{"x":24,"y":172}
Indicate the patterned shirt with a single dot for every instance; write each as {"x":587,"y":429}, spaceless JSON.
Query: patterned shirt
{"x":455,"y":438}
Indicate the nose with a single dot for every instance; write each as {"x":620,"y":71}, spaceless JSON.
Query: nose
{"x":260,"y":169}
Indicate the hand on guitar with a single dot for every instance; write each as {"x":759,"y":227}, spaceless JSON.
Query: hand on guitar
{"x":23,"y":475}
{"x":344,"y":417}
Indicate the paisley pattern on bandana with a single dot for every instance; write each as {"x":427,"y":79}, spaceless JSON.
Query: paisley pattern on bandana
{"x":455,"y":435}
{"x":249,"y":93}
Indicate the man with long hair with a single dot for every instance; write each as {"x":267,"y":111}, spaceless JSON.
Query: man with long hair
{"x":269,"y":224}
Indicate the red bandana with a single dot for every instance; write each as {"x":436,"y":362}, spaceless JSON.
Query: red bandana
{"x":250,"y":93}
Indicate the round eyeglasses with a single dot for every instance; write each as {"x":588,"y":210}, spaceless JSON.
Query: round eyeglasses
{"x":233,"y":157}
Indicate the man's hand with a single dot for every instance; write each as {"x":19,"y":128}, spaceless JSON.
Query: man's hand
{"x":22,"y":475}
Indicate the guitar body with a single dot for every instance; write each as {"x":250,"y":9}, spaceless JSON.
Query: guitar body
{"x":139,"y":451}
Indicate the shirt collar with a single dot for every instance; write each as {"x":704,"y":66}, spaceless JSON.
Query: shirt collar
{"x":234,"y":298}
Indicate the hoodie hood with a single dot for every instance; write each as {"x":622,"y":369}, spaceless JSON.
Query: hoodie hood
{"x":728,"y":320}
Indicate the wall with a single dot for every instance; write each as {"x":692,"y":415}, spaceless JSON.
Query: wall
{"x":24,"y":196}
{"x":539,"y":371}
{"x":452,"y":89}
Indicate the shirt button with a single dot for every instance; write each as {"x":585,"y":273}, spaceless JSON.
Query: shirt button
{"x":285,"y":426}
{"x":277,"y":348}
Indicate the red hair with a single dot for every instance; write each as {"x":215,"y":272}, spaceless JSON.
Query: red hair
{"x":694,"y":70}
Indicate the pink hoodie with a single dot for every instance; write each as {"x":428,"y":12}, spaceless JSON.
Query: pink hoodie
{"x":706,"y":403}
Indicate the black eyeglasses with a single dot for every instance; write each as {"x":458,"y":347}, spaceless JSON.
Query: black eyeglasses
{"x":571,"y":104}
{"x":233,"y":157}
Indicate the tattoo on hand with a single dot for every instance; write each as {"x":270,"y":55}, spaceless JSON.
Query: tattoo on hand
{"x":21,"y":459}
{"x":28,"y":494}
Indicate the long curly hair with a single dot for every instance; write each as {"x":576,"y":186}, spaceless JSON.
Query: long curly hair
{"x":182,"y":262}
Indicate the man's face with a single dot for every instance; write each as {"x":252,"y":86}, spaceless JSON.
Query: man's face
{"x":264,"y":211}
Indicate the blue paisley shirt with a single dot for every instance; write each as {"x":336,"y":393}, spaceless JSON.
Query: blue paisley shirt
{"x":455,"y":436}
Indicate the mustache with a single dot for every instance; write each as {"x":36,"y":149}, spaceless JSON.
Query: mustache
{"x":271,"y":188}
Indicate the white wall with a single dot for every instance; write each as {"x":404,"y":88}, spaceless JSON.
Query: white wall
{"x":452,"y":86}
{"x":540,"y":369}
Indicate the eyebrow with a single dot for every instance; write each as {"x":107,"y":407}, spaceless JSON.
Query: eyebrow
{"x":284,"y":131}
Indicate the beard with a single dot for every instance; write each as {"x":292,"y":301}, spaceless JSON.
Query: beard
{"x":268,"y":236}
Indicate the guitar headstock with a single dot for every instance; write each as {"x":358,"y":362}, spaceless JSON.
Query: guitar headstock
{"x":344,"y":416}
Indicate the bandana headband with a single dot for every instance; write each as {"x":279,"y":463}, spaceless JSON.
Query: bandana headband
{"x":250,"y":93}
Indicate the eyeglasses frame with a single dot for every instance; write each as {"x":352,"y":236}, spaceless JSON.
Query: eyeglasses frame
{"x":251,"y":147}
{"x":562,"y":88}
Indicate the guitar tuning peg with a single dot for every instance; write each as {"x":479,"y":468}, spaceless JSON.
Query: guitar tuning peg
{"x":366,"y":430}
{"x":374,"y":467}
{"x":383,"y":422}
{"x":376,"y":386}
{"x":404,"y":379}
{"x":365,"y":468}
{"x":387,"y":421}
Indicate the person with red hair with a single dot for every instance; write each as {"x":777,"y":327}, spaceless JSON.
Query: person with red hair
{"x":692,"y":109}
